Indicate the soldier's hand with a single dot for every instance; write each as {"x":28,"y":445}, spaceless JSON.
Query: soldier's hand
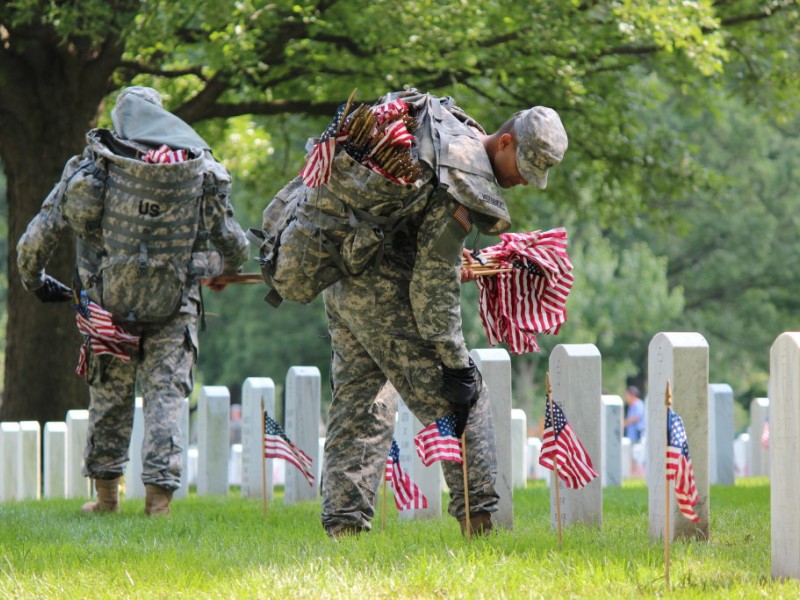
{"x":52,"y":290}
{"x":461,"y":387}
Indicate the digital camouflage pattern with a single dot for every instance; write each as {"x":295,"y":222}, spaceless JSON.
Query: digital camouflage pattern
{"x":164,"y":364}
{"x":400,"y":324}
{"x":150,"y":223}
{"x":541,"y":143}
{"x":168,"y":350}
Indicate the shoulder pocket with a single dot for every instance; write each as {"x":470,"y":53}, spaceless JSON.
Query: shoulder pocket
{"x":82,"y":206}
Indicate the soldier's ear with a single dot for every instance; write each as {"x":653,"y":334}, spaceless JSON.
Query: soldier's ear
{"x":505,"y":140}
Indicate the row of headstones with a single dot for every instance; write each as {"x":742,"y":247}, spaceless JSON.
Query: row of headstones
{"x":62,"y":459}
{"x":678,"y":358}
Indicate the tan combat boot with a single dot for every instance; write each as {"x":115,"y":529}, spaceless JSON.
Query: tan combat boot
{"x":156,"y":500}
{"x":480,"y":524}
{"x":107,"y":497}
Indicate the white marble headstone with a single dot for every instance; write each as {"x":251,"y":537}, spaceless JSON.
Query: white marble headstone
{"x":611,"y":440}
{"x":720,"y":434}
{"x":519,"y":448}
{"x":784,"y":372}
{"x":9,"y":474}
{"x":213,"y":437}
{"x":682,"y":359}
{"x":302,"y":427}
{"x":55,"y":459}
{"x":759,"y":455}
{"x":30,"y":457}
{"x":258,"y":395}
{"x":576,"y":377}
{"x":495,"y":367}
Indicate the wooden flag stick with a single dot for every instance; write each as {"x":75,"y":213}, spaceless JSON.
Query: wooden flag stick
{"x":667,"y":497}
{"x":264,"y":455}
{"x":231,"y":279}
{"x":488,"y":272}
{"x":555,"y":459}
{"x":383,"y":501}
{"x":467,"y":517}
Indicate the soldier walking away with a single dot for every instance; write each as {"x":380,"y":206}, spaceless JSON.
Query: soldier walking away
{"x":401,"y":321}
{"x":149,"y":206}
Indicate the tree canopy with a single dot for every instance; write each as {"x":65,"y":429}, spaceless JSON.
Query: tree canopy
{"x":257,"y":78}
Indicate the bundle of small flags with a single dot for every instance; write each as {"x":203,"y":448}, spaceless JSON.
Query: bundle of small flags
{"x":528,"y":293}
{"x":165,"y":156}
{"x":100,"y":334}
{"x":278,"y":445}
{"x":407,"y":494}
{"x":379,"y":137}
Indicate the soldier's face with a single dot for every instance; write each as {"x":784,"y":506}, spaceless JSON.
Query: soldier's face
{"x":504,"y":163}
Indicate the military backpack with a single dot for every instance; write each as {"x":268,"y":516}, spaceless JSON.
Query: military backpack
{"x":147,"y":218}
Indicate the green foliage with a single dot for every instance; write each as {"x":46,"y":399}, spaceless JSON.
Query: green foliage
{"x":226,"y":547}
{"x":681,"y":117}
{"x":246,"y":337}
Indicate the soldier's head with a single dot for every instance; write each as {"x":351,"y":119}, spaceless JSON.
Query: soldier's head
{"x":526,"y":146}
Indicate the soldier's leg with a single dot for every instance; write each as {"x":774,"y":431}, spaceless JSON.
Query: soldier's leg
{"x":381,"y":326}
{"x":359,"y":433}
{"x":169,"y":353}
{"x":418,"y":381}
{"x":111,"y":390}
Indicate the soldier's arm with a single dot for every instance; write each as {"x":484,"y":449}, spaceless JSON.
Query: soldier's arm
{"x":435,"y":289}
{"x":225,"y":232}
{"x":43,"y":234}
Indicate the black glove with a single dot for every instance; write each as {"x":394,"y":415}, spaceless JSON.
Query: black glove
{"x":52,"y":290}
{"x":461,"y":387}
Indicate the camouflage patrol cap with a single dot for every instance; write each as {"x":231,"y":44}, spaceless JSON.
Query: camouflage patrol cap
{"x":541,"y":143}
{"x":147,"y":93}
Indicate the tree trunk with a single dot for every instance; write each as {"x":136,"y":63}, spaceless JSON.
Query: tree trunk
{"x":49,"y":99}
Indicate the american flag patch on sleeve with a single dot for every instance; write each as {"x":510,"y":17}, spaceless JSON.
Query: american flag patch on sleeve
{"x":462,"y":216}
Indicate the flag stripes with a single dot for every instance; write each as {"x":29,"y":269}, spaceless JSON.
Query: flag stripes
{"x":100,"y":334}
{"x":438,"y":441}
{"x":278,"y":445}
{"x":679,"y":466}
{"x":532,"y":297}
{"x":561,"y":446}
{"x":407,"y":494}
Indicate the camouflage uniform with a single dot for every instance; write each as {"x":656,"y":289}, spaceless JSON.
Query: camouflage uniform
{"x":168,"y":349}
{"x":403,"y":322}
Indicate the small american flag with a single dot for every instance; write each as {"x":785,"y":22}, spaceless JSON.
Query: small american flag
{"x":165,"y":156}
{"x":438,"y":441}
{"x":562,"y":445}
{"x":277,"y":445}
{"x":679,"y":466}
{"x":407,"y":494}
{"x":317,"y":168}
{"x":100,"y":334}
{"x":765,"y":435}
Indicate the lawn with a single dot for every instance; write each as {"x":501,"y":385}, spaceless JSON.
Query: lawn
{"x":213,"y":547}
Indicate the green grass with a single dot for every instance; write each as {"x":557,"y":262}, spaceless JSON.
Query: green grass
{"x":226,"y":548}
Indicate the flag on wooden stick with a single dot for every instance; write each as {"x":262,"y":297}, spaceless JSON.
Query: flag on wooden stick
{"x":438,"y":441}
{"x":407,"y":494}
{"x":562,"y":446}
{"x":278,"y":445}
{"x":679,"y":466}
